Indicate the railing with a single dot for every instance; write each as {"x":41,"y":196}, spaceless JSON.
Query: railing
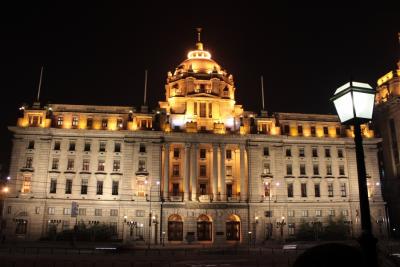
{"x":175,"y":196}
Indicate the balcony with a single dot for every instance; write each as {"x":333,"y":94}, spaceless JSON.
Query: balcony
{"x":175,"y":196}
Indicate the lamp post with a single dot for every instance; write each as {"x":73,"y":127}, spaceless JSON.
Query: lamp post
{"x":152,"y":217}
{"x":354,"y":103}
{"x":280,"y":224}
{"x":123,"y":228}
{"x":256,"y":219}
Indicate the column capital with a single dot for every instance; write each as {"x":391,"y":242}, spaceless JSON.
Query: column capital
{"x":187,"y":145}
{"x":166,"y":145}
{"x":222,"y":145}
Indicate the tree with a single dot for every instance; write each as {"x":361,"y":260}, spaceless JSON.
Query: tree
{"x":335,"y":230}
{"x":305,"y":231}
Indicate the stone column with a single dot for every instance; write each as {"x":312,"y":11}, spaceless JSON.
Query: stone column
{"x":166,"y":171}
{"x":222,"y":182}
{"x":215,"y":172}
{"x":194,"y":172}
{"x":186,"y":189}
{"x":243,"y":193}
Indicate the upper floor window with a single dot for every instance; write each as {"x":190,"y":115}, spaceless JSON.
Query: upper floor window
{"x":301,"y":152}
{"x":210,"y":110}
{"x":303,"y":190}
{"x":175,"y":170}
{"x":289,"y":170}
{"x":290,"y":190}
{"x":104,"y":123}
{"x":35,"y":120}
{"x":340,"y":153}
{"x":266,"y":151}
{"x":228,"y":154}
{"x":26,"y":184}
{"x":203,"y":153}
{"x":53,"y":186}
{"x":116,"y":165}
{"x":71,"y":146}
{"x":313,"y":131}
{"x":55,"y":163}
{"x":70,"y":164}
{"x":328,"y":169}
{"x":85,"y":165}
{"x":177,"y":152}
{"x":117,"y":147}
{"x":203,"y":170}
{"x":302,"y":169}
{"x":330,"y":189}
{"x":89,"y":123}
{"x":120,"y":124}
{"x":317,"y":190}
{"x":288,"y":152}
{"x":99,"y":188}
{"x":29,"y":162}
{"x":228,"y":170}
{"x":300,"y":129}
{"x":315,"y":169}
{"x":102,"y":147}
{"x":115,"y":185}
{"x":195,"y":108}
{"x":57,"y":145}
{"x":315,"y":152}
{"x":327,"y":152}
{"x":338,"y":131}
{"x":286,"y":129}
{"x":86,"y":147}
{"x":343,"y":191}
{"x":142,"y":164}
{"x":75,"y":121}
{"x":142,"y":148}
{"x":31,"y":144}
{"x":266,"y":168}
{"x":202,"y":110}
{"x":326,"y":132}
{"x":341,"y":170}
{"x":101,"y":165}
{"x":60,"y":121}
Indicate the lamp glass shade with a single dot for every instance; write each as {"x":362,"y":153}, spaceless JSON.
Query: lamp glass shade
{"x":363,"y":104}
{"x":344,"y":107}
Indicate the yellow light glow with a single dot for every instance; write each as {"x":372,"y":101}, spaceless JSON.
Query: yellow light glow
{"x":386,"y":77}
{"x":199,"y":54}
{"x":5,"y":190}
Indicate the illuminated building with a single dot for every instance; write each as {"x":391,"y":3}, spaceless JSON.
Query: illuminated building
{"x":387,"y":120}
{"x":199,"y":166}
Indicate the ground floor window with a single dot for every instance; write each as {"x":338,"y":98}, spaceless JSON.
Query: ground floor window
{"x":175,"y":228}
{"x":21,"y":227}
{"x":204,"y":228}
{"x":233,"y":228}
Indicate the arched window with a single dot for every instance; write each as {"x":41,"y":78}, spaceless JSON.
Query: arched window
{"x":204,"y":228}
{"x":233,"y":228}
{"x":175,"y":228}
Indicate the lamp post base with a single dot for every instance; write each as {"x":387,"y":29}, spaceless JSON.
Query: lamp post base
{"x":368,"y":246}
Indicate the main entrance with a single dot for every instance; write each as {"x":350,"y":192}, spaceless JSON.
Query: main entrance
{"x":233,"y":228}
{"x":175,"y":228}
{"x":204,"y":228}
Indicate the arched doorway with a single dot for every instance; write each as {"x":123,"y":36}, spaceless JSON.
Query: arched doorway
{"x":204,"y":228}
{"x":175,"y":228}
{"x":233,"y":228}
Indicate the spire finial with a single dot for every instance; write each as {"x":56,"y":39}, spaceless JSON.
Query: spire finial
{"x":199,"y":44}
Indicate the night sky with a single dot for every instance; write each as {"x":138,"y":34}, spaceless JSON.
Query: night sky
{"x":97,"y":53}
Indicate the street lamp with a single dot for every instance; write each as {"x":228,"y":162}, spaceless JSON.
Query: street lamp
{"x":354,"y":103}
{"x":280,"y":224}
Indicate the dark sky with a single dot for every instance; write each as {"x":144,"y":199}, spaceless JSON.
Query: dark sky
{"x":97,"y":53}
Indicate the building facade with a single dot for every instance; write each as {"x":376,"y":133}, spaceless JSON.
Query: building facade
{"x":387,"y":120}
{"x":198,"y":169}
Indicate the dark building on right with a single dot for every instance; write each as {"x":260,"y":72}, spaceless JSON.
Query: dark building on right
{"x":387,"y":123}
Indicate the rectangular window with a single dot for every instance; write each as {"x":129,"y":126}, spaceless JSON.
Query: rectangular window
{"x":142,"y":148}
{"x":70,"y":164}
{"x":330,"y":189}
{"x":84,"y":186}
{"x":99,"y":188}
{"x":267,"y":168}
{"x":267,"y":189}
{"x":340,"y":153}
{"x":104,"y":123}
{"x":301,"y":152}
{"x":341,"y":170}
{"x":228,"y":170}
{"x":288,"y":152}
{"x":85,"y":165}
{"x":101,"y":165}
{"x":313,"y":131}
{"x":203,"y":170}
{"x":31,"y":145}
{"x":286,"y":129}
{"x":315,"y":169}
{"x":300,"y":129}
{"x":289,"y":170}
{"x":117,"y":147}
{"x":326,"y":132}
{"x":331,"y":212}
{"x":89,"y":123}
{"x":195,"y":108}
{"x":210,"y":110}
{"x":51,"y":210}
{"x":116,"y":165}
{"x":177,"y":152}
{"x":102,"y":147}
{"x":175,"y":170}
{"x":55,"y":164}
{"x":26,"y":185}
{"x":71,"y":146}
{"x":82,"y":211}
{"x":65,"y":225}
{"x":291,"y":229}
{"x":315,"y":152}
{"x":317,"y":190}
{"x":291,"y":213}
{"x":57,"y":145}
{"x":115,"y":188}
{"x":68,"y":186}
{"x":29,"y":162}
{"x":86,"y":147}
{"x":37,"y":210}
{"x":203,"y":189}
{"x":345,"y":213}
{"x":202,"y":153}
{"x":318,"y":213}
{"x":266,"y":151}
{"x":328,"y":169}
{"x":302,"y":169}
{"x":113,"y":212}
{"x":120,"y":124}
{"x":337,"y":131}
{"x":53,"y":186}
{"x":202,"y":110}
{"x":290,"y":190}
{"x":304,"y":213}
{"x":327,"y":152}
{"x":142,"y":164}
{"x":98,"y":212}
{"x":75,"y":121}
{"x":343,"y":191}
{"x":228,"y":154}
{"x":175,"y":189}
{"x":60,"y":121}
{"x":303,"y":190}
{"x":268,"y":213}
{"x":67,"y":211}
